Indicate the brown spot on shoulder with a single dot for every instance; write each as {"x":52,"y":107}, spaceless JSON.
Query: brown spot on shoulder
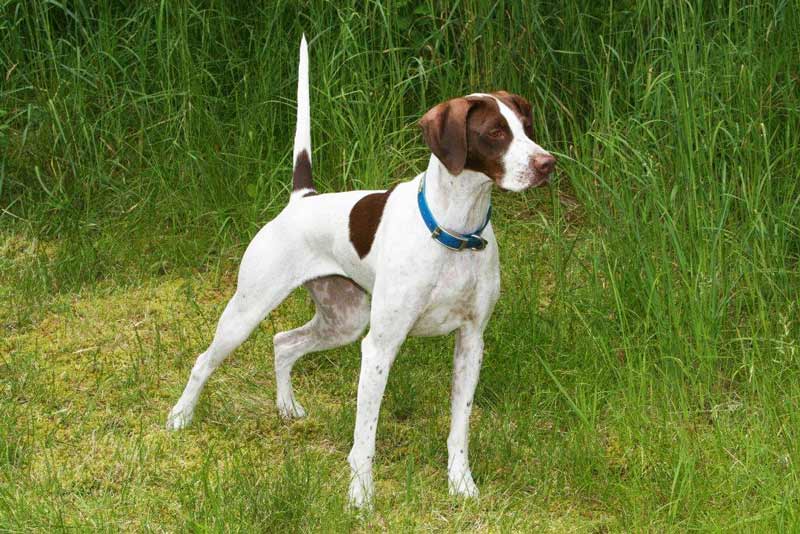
{"x":365,"y":216}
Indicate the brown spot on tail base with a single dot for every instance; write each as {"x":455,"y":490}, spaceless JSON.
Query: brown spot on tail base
{"x":364,"y":220}
{"x":301,"y":177}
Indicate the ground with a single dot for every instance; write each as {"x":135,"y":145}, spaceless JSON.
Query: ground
{"x":88,"y":381}
{"x":88,"y":384}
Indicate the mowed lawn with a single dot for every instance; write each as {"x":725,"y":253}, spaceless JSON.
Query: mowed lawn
{"x":89,"y":383}
{"x":642,"y":368}
{"x":559,"y":442}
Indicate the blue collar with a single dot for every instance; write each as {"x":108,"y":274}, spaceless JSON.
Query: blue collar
{"x":451,"y":240}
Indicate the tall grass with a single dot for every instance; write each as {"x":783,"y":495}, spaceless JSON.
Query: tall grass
{"x":650,"y":310}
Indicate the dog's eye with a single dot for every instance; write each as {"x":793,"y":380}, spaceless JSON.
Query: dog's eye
{"x":497,"y":133}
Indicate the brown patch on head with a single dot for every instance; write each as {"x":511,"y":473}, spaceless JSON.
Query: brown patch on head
{"x":468,"y":133}
{"x":521,"y":108}
{"x":301,"y":177}
{"x":488,"y":138}
{"x":365,"y":216}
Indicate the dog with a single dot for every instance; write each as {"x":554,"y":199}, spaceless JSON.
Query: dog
{"x":424,"y":250}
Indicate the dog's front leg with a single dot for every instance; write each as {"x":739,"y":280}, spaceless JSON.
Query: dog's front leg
{"x":396,"y":304}
{"x":467,"y":359}
{"x":377,"y":355}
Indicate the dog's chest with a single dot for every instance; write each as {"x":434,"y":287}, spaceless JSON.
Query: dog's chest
{"x":454,"y":299}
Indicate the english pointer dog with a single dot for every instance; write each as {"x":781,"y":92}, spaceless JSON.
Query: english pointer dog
{"x":424,"y":251}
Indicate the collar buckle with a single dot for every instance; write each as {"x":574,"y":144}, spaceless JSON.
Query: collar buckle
{"x":480,"y":245}
{"x":469,"y":242}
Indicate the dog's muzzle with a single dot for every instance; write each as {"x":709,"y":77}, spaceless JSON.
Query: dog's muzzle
{"x":542,"y":166}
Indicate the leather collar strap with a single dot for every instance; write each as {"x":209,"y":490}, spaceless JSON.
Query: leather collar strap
{"x":451,"y":240}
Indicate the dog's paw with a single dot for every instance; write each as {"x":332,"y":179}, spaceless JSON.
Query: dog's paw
{"x":463,"y":486}
{"x":178,"y":419}
{"x":360,"y":495}
{"x":291,"y":409}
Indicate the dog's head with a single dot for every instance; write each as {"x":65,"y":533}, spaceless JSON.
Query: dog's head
{"x":490,"y":134}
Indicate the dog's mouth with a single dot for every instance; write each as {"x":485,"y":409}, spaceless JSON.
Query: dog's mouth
{"x":540,"y":179}
{"x":530,"y":181}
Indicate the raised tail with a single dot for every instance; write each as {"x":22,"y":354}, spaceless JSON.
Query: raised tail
{"x":302,"y":184}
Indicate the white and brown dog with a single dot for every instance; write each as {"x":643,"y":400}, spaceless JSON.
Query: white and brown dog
{"x":345,"y":246}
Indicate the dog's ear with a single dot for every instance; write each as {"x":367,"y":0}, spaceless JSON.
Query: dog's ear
{"x":444,"y":128}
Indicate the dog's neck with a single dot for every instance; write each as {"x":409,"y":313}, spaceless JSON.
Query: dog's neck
{"x":459,"y":203}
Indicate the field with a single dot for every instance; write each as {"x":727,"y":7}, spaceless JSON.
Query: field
{"x":642,"y":368}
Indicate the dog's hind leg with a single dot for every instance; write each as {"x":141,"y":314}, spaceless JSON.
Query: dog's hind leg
{"x":342,"y":313}
{"x":272,"y":267}
{"x":241,"y":316}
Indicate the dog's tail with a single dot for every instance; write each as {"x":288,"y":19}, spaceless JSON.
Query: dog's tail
{"x":302,"y":184}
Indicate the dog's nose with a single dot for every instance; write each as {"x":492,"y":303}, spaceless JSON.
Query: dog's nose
{"x":544,"y":164}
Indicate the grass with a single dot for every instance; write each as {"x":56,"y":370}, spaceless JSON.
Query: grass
{"x":641,"y":369}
